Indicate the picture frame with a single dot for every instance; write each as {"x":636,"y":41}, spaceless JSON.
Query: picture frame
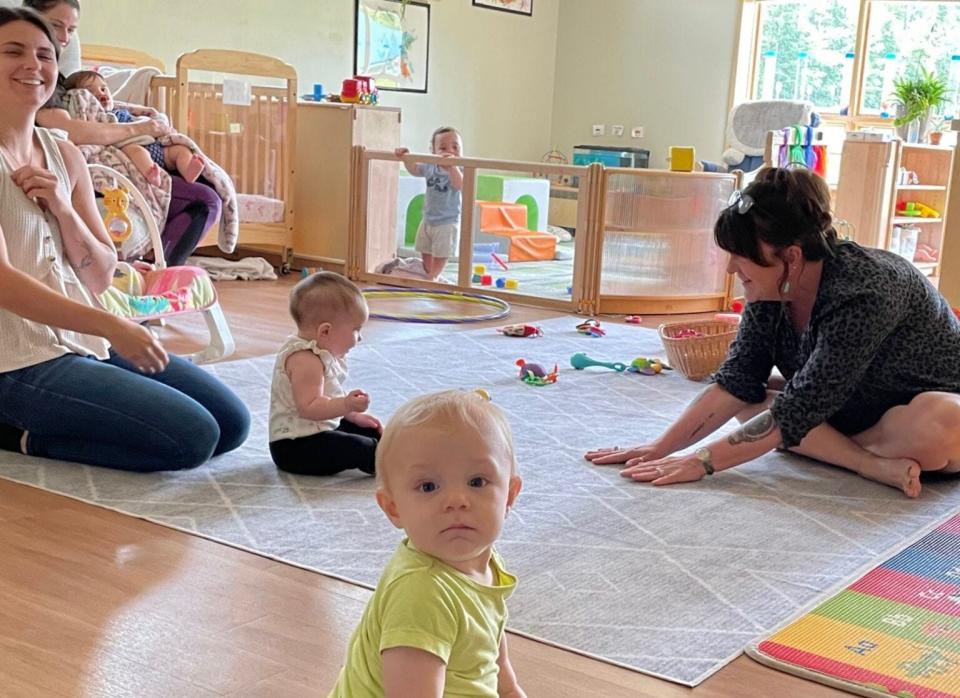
{"x":391,"y":41}
{"x":517,"y":7}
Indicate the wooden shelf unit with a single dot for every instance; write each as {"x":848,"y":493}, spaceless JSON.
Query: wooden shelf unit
{"x":869,"y":193}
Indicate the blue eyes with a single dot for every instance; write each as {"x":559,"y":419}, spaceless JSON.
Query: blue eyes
{"x":428,"y":487}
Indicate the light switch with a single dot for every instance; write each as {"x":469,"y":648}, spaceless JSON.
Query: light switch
{"x":636,"y":132}
{"x":617,"y":130}
{"x":599,"y":129}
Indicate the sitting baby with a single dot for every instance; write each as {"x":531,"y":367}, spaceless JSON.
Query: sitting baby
{"x":150,"y":158}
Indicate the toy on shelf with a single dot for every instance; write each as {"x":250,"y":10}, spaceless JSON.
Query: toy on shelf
{"x":116,"y":201}
{"x":581,"y":361}
{"x":591,"y":328}
{"x":915,"y":209}
{"x":521,"y":330}
{"x":633,"y":319}
{"x":535,"y":374}
{"x":682,"y":158}
{"x":648,"y":367}
{"x":360,"y":89}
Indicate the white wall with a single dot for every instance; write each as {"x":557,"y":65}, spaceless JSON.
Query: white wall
{"x":665,"y":65}
{"x":491,"y":73}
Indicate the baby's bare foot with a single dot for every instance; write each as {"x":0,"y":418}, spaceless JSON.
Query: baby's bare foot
{"x":194,"y":168}
{"x":153,"y":175}
{"x":902,"y":473}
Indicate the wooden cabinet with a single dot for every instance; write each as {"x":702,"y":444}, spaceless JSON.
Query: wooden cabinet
{"x":326,"y":134}
{"x":895,"y":195}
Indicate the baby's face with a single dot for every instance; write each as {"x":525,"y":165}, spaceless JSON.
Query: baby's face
{"x":448,"y":145}
{"x":341,"y":335}
{"x":98,"y":86}
{"x":450,"y":487}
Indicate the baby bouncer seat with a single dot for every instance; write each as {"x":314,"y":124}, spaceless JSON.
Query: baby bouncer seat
{"x":160,"y":292}
{"x":747,"y":128}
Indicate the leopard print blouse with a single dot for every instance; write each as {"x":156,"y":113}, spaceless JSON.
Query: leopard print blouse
{"x":879,"y":334}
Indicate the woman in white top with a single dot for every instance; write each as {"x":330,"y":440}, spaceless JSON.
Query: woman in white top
{"x":77,"y":383}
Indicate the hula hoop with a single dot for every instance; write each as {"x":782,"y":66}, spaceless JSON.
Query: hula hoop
{"x":500,"y":307}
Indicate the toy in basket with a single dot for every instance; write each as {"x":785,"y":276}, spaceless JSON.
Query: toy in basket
{"x":697,"y":355}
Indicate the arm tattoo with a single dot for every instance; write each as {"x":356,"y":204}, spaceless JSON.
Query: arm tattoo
{"x":87,"y":259}
{"x":757,"y":428}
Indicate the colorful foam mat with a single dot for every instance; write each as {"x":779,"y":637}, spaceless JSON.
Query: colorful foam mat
{"x":894,"y":631}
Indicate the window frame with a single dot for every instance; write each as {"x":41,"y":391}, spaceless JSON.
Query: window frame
{"x":747,"y":56}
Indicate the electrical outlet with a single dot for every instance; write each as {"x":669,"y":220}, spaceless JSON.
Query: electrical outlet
{"x":599,"y":129}
{"x":636,"y":132}
{"x":617,"y":130}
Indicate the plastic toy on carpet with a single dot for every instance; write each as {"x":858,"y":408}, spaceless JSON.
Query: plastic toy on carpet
{"x":581,"y":361}
{"x":535,"y":374}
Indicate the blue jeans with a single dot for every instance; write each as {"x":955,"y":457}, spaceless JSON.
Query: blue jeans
{"x":107,"y":413}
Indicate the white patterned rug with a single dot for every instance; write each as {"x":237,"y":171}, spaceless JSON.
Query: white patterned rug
{"x":672,"y":581}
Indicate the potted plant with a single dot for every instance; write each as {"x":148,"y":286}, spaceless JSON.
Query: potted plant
{"x":919,"y":97}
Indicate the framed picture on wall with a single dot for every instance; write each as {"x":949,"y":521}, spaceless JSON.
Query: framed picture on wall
{"x":392,"y":44}
{"x":519,"y":7}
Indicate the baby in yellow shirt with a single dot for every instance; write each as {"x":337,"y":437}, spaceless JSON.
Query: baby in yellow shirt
{"x":435,"y":625}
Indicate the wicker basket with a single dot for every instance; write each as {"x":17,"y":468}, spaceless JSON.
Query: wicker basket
{"x":697,"y":357}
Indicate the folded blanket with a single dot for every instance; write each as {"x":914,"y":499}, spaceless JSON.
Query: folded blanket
{"x":82,"y":105}
{"x":246,"y":269}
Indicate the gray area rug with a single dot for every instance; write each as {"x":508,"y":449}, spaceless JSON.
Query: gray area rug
{"x":671,"y":581}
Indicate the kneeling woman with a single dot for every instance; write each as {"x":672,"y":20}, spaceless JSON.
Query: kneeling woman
{"x":77,"y":383}
{"x":869,"y":350}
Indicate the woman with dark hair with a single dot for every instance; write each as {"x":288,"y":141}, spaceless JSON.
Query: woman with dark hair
{"x":78,"y":383}
{"x":194,"y":207}
{"x":868,"y":351}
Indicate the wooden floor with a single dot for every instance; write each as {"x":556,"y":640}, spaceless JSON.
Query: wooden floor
{"x":96,"y":603}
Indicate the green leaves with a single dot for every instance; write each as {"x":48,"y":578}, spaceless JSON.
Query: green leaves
{"x":919,"y":95}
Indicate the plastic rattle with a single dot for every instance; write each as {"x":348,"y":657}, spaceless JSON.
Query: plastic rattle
{"x":633,"y":319}
{"x":521,"y":330}
{"x":581,"y":361}
{"x":534,"y":374}
{"x":648,"y":367}
{"x":116,"y":201}
{"x":591,"y":328}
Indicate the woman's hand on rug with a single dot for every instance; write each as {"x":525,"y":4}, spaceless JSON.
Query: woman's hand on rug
{"x":665,"y":471}
{"x":629,"y":456}
{"x":137,"y":345}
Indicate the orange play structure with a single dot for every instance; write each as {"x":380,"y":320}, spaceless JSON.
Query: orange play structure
{"x":499,"y":219}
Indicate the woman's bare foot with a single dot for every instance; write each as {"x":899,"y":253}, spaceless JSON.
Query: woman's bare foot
{"x":902,"y":473}
{"x":194,"y":168}
{"x":152,"y":175}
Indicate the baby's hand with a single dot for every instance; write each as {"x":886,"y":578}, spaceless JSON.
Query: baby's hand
{"x":401,"y":152}
{"x":357,"y":401}
{"x":367,"y":421}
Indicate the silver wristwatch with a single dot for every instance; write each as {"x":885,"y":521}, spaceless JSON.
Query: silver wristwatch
{"x":706,"y":459}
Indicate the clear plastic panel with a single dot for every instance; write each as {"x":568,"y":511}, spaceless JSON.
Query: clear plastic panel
{"x":658,"y":237}
{"x":523,"y":232}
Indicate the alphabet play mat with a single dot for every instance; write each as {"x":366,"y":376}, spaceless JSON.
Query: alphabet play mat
{"x":894,"y":631}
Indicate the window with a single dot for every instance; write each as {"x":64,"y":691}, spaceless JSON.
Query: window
{"x":806,"y":51}
{"x":902,"y":37}
{"x":809,"y":50}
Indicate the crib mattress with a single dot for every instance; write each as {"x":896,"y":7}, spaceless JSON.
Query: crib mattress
{"x":255,"y":208}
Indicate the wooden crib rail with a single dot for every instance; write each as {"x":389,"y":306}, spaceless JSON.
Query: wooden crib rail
{"x":235,"y":62}
{"x":118,"y":56}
